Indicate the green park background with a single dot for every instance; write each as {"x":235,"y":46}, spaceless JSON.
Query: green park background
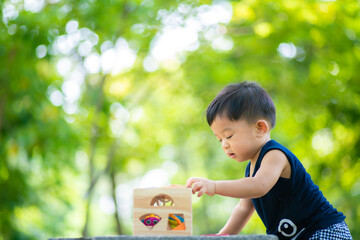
{"x":98,"y":97}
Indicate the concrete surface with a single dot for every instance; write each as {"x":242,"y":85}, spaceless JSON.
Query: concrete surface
{"x":125,"y":237}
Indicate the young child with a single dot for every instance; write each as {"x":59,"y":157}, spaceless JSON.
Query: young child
{"x":276,"y":184}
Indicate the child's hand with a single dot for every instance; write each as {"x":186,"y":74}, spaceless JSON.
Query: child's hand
{"x":201,"y":185}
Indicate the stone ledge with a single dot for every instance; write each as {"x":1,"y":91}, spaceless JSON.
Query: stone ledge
{"x":125,"y":237}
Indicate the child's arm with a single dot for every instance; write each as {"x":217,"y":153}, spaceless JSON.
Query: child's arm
{"x":272,"y":166}
{"x":239,"y":217}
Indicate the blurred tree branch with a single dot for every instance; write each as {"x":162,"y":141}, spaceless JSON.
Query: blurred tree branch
{"x":93,"y":142}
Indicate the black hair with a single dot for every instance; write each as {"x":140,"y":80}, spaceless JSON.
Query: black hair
{"x":244,"y":100}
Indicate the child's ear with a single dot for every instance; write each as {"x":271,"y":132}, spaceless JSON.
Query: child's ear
{"x":262,"y":127}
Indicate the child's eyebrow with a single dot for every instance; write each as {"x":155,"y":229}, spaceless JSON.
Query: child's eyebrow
{"x":227,"y":129}
{"x":224,"y":130}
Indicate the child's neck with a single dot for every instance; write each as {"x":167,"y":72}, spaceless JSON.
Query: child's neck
{"x":263,"y":141}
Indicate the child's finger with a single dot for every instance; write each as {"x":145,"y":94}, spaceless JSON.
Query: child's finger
{"x":201,"y":192}
{"x":196,"y":187}
{"x":190,"y":181}
{"x":204,"y":190}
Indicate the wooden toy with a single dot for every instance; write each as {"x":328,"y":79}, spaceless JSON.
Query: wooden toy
{"x":162,"y":211}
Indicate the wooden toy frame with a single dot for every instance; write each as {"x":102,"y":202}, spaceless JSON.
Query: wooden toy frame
{"x":162,"y":202}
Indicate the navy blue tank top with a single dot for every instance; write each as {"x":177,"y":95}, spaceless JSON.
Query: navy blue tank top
{"x":294,"y":208}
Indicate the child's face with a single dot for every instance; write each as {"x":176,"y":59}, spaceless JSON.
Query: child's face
{"x":239,"y":139}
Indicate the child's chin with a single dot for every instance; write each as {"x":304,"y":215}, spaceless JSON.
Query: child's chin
{"x":240,"y":159}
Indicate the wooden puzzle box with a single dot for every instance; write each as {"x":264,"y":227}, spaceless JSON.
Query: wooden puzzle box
{"x":162,"y":211}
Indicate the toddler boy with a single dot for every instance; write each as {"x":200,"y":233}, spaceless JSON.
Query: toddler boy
{"x":276,"y":184}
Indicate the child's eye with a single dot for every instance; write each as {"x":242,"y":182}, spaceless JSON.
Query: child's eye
{"x":229,"y":137}
{"x":220,"y":140}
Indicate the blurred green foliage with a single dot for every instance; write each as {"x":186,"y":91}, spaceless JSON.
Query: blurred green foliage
{"x":75,"y":138}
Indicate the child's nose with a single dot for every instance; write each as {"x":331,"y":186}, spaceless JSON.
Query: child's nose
{"x":225,"y":144}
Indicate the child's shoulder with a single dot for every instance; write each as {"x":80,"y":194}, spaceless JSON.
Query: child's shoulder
{"x":279,"y":158}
